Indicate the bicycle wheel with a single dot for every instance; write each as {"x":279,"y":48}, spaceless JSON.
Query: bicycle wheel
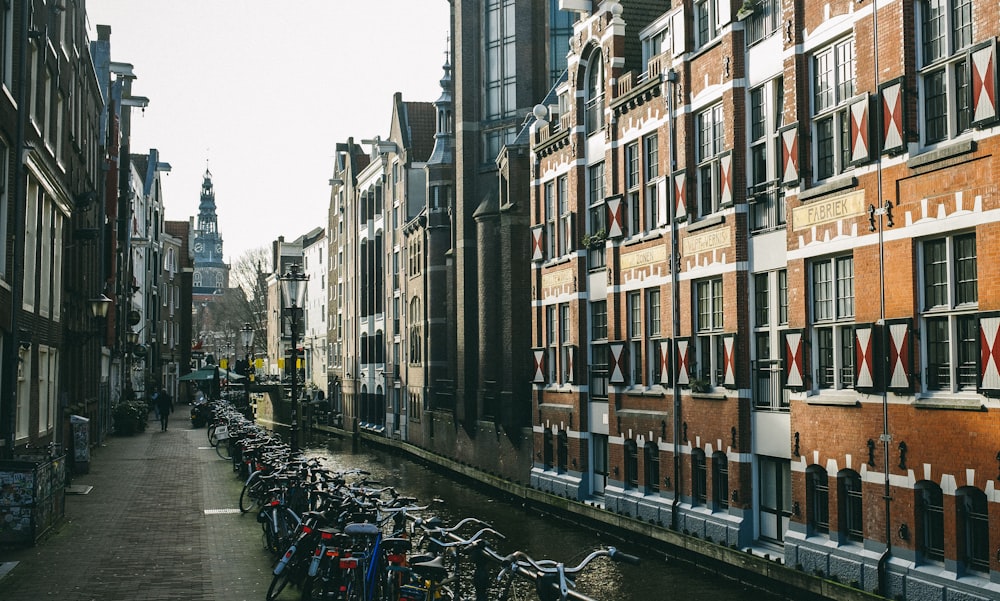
{"x":249,"y":495}
{"x":212,"y":440}
{"x":278,"y":584}
{"x":222,"y":449}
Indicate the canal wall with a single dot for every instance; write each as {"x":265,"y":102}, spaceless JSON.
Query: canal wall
{"x":760,"y":568}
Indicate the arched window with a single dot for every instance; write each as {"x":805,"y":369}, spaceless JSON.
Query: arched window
{"x":699,"y":484}
{"x":973,"y":528}
{"x":379,"y":350}
{"x":414,"y":317}
{"x":652,"y":467}
{"x":720,"y":480}
{"x":594,"y":94}
{"x":196,"y":280}
{"x":631,"y":464}
{"x":849,"y":503}
{"x":817,"y":500}
{"x":547,"y":449}
{"x":562,"y":454}
{"x":929,"y":520}
{"x":364,"y":348}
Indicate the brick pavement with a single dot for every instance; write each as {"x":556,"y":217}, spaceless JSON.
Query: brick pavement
{"x":143,"y":533}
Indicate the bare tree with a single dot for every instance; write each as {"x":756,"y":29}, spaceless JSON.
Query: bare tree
{"x":249,"y":273}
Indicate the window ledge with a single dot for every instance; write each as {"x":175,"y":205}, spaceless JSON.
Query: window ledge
{"x":705,"y":223}
{"x":941,"y":154}
{"x":556,"y":261}
{"x":950,"y":403}
{"x":829,"y":188}
{"x":709,"y":396}
{"x":834,"y":399}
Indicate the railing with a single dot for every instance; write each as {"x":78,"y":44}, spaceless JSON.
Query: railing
{"x":767,"y":207}
{"x":599,"y":383}
{"x":762,"y":23}
{"x":768,"y":392}
{"x":594,"y":112}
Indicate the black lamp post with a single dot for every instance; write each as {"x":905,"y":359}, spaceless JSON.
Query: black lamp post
{"x":293,"y":283}
{"x":246,"y":337}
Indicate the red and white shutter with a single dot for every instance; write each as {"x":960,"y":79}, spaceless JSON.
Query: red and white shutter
{"x":616,"y":366}
{"x":539,"y":377}
{"x":900,"y":356}
{"x":680,"y":195}
{"x":864,"y":358}
{"x":795,"y":367}
{"x":616,"y":217}
{"x":684,"y":361}
{"x":860,"y":131}
{"x":789,"y":154}
{"x":664,"y":358}
{"x":984,"y":84}
{"x":989,"y":354}
{"x":538,"y":243}
{"x":726,"y":179}
{"x":892,"y":117}
{"x":729,"y":361}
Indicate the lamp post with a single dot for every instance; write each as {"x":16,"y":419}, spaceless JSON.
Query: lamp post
{"x":293,"y":284}
{"x":246,"y":337}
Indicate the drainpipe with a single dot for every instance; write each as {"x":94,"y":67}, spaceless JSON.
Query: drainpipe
{"x":675,"y":308}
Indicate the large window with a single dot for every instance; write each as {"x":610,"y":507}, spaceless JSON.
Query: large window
{"x":832,"y":289}
{"x":945,"y":35}
{"x":635,"y":335}
{"x":594,"y":99}
{"x":560,"y":32}
{"x":652,"y":467}
{"x":500,"y":67}
{"x":930,"y":520}
{"x":599,"y":350}
{"x":849,"y":502}
{"x":565,"y":330}
{"x":833,"y":88}
{"x":552,"y":342}
{"x":818,"y":499}
{"x":651,"y":170}
{"x":631,"y":464}
{"x":598,"y":213}
{"x":949,"y":280}
{"x":699,"y":481}
{"x":706,"y":21}
{"x":764,"y":20}
{"x":711,"y":137}
{"x":709,"y":303}
{"x":720,"y":480}
{"x":653,"y":334}
{"x":973,"y":528}
{"x":634,"y":203}
{"x":767,"y":201}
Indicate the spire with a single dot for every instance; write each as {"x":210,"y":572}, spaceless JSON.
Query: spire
{"x":443,"y":152}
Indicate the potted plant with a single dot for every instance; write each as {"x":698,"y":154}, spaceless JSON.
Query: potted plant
{"x":746,"y":10}
{"x":700,"y":385}
{"x":595,"y":240}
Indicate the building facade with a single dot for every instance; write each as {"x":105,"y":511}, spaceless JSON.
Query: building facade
{"x":762,"y":305}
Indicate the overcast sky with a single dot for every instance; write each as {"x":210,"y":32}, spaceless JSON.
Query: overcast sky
{"x":261,"y":92}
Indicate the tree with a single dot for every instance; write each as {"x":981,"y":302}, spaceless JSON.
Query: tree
{"x":249,"y":274}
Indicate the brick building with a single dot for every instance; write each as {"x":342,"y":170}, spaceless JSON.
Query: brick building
{"x":762,"y":309}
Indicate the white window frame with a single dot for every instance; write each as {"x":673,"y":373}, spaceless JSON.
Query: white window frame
{"x":711,"y":138}
{"x":839,"y":321}
{"x":833,"y":85}
{"x":951,"y":64}
{"x":709,"y":322}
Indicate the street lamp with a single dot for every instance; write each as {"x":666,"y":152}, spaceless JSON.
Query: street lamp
{"x":293,"y":284}
{"x":246,"y":337}
{"x":99,"y":306}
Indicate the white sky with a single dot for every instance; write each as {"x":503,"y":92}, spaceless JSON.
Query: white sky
{"x":262,"y":91}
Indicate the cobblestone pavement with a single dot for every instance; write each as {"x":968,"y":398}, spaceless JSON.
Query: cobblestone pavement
{"x":161,"y":522}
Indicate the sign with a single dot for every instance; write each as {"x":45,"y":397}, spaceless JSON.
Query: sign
{"x":712,"y":240}
{"x":557,"y":278}
{"x":649,"y":256}
{"x":834,"y":209}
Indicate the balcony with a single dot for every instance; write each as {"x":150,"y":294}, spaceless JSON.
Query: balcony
{"x":768,"y":392}
{"x":767,"y":207}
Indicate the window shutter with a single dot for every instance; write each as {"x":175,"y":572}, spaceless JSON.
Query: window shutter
{"x":794,"y":359}
{"x":726,"y":179}
{"x":989,"y":354}
{"x":538,"y":243}
{"x":984,"y":83}
{"x":616,"y":216}
{"x":539,"y":377}
{"x":789,"y":154}
{"x":900,"y":377}
{"x":892,"y":106}
{"x":677,"y":33}
{"x":860,"y":131}
{"x":684,"y":361}
{"x":680,"y":194}
{"x":616,"y":366}
{"x":723,"y":12}
{"x":570,"y":374}
{"x":729,"y":361}
{"x":665,"y":367}
{"x":661,"y":203}
{"x":865,"y":356}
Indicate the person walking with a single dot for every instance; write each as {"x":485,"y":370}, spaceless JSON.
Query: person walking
{"x":164,"y":406}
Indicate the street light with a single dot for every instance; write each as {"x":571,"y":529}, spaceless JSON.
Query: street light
{"x":293,"y":284}
{"x":246,"y":337}
{"x":99,"y":306}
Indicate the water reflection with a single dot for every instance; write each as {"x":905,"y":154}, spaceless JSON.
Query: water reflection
{"x":541,"y":537}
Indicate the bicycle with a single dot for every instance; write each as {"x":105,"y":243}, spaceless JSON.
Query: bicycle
{"x":553,"y":580}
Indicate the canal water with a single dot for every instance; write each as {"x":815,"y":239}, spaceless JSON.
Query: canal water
{"x":541,"y":537}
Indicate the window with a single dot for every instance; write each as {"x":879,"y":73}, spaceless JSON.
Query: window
{"x":565,"y":328}
{"x":634,"y":206}
{"x":929,"y":520}
{"x":635,"y":335}
{"x":706,"y":21}
{"x":562,"y":453}
{"x":849,"y":503}
{"x":500,"y":67}
{"x":551,"y":220}
{"x":833,"y":88}
{"x":945,"y":36}
{"x":416,"y":344}
{"x":762,"y":299}
{"x":594,"y":94}
{"x":631,"y":464}
{"x":711,"y":136}
{"x":973,"y":529}
{"x":653,"y":334}
{"x":949,"y":281}
{"x":565,"y":243}
{"x":763,"y":22}
{"x":4,"y":196}
{"x":553,"y":343}
{"x":767,"y":201}
{"x":651,"y":171}
{"x":652,"y":467}
{"x":833,"y":316}
{"x":818,"y":499}
{"x":6,"y":44}
{"x":720,"y":480}
{"x":598,"y":214}
{"x":709,"y":304}
{"x":699,"y":484}
{"x":547,"y":449}
{"x":599,"y":349}
{"x":560,"y":32}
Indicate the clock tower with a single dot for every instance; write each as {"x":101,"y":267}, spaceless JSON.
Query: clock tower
{"x":211,"y":273}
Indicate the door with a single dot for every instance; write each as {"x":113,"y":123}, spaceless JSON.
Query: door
{"x":775,"y":497}
{"x":599,"y":448}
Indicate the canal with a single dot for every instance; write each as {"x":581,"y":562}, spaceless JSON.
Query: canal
{"x":540,"y":536}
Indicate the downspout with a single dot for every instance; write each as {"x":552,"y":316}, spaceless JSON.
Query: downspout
{"x":675,"y":308}
{"x":11,"y":342}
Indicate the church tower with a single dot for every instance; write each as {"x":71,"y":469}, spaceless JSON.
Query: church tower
{"x":211,"y":274}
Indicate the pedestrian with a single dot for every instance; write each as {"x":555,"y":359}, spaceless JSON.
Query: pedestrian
{"x":156,"y":406}
{"x":164,"y":406}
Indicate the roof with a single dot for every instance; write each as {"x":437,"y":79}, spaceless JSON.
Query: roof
{"x":421,"y":120}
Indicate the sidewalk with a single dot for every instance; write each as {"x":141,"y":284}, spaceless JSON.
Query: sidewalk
{"x":161,"y":522}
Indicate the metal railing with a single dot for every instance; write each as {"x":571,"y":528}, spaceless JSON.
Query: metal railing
{"x":767,"y":207}
{"x":768,"y":392}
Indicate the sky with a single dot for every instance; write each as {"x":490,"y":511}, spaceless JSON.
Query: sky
{"x":260,"y":92}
